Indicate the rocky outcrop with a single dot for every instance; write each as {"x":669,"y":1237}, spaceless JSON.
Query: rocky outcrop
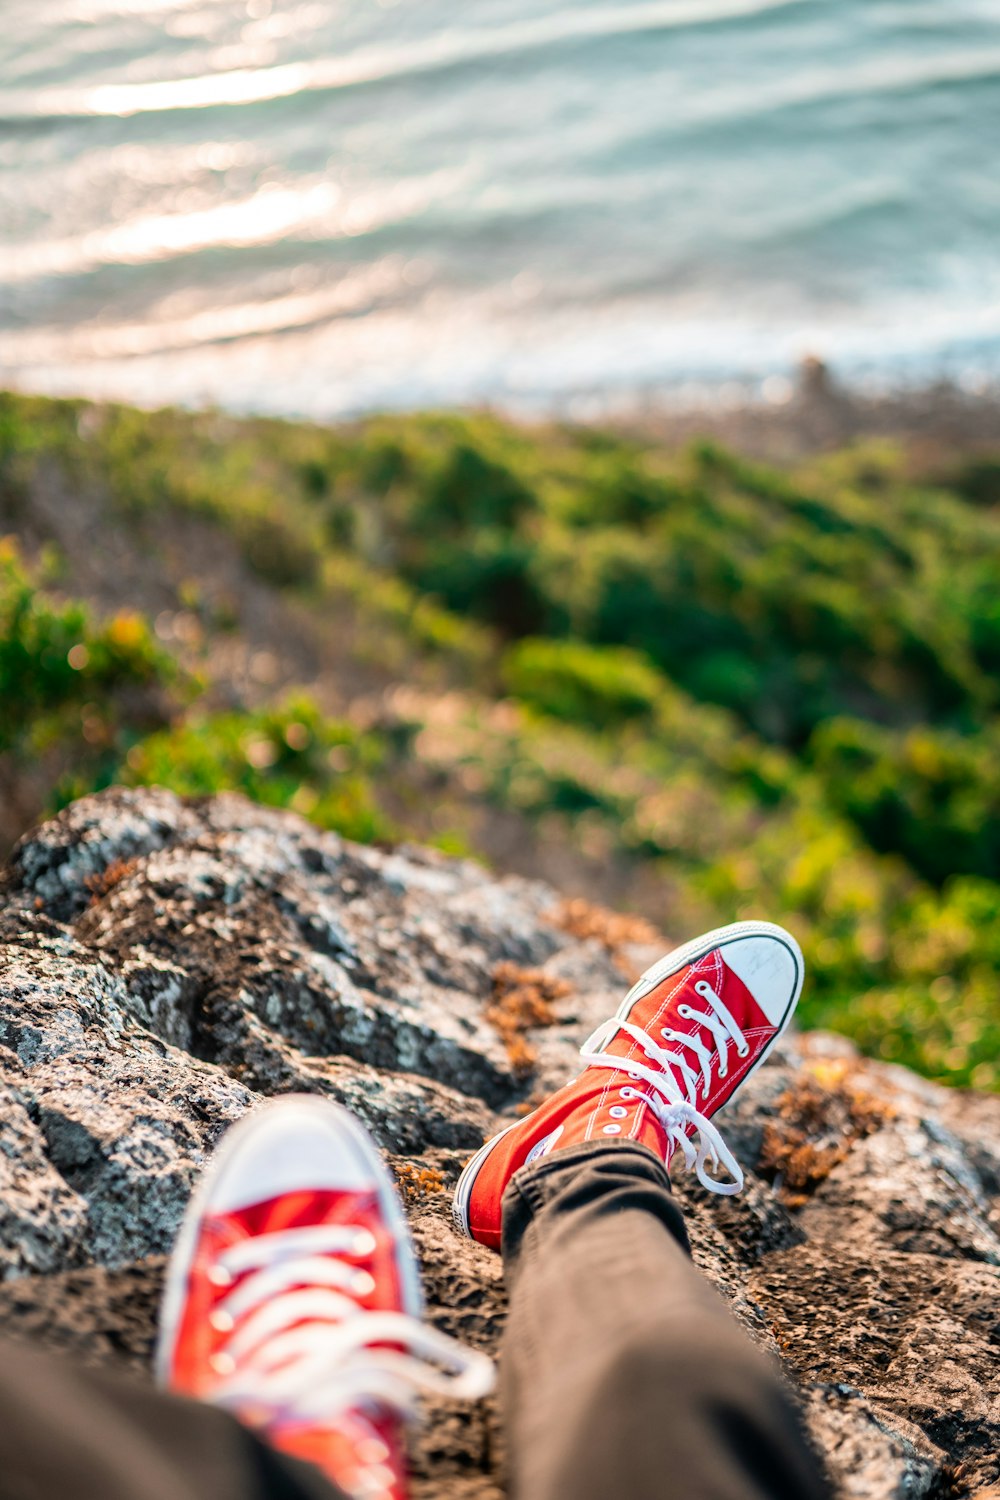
{"x":165,"y":964}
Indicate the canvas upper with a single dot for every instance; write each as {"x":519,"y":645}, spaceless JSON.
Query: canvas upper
{"x":686,"y":1037}
{"x":293,"y":1298}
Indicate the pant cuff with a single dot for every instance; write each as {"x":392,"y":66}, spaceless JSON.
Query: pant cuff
{"x":594,"y":1180}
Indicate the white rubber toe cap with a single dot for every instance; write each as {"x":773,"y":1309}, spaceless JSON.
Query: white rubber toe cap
{"x":295,"y":1144}
{"x":770,"y":967}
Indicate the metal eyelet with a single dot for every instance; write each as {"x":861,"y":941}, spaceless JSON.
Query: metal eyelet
{"x":618,"y":1112}
{"x":612,"y":1130}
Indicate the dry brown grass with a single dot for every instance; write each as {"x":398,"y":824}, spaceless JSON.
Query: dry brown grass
{"x":582,"y":919}
{"x":104,"y":882}
{"x":416,"y":1182}
{"x":523,"y":1000}
{"x":956,"y":1485}
{"x":819,"y":1120}
{"x":616,"y":930}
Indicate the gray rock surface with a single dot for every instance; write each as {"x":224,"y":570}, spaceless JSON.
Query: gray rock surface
{"x":163,"y":965}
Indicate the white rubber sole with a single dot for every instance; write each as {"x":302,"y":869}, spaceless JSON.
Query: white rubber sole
{"x":671,"y":962}
{"x":241,"y":1138}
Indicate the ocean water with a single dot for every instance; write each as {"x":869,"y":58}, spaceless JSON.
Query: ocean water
{"x":328,"y":206}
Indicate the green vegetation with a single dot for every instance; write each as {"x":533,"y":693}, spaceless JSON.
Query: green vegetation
{"x":760,"y":691}
{"x":75,"y":691}
{"x":584,"y":684}
{"x":104,"y":699}
{"x":285,"y":757}
{"x":934,"y":797}
{"x":783,"y":599}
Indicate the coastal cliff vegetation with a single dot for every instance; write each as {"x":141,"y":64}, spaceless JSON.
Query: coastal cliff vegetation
{"x":708,"y":686}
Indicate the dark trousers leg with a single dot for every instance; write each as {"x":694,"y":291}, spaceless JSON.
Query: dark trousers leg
{"x":623,"y":1371}
{"x":68,"y":1433}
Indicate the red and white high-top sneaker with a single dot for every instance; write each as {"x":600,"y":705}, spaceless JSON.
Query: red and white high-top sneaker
{"x":682,"y":1042}
{"x":293,"y":1298}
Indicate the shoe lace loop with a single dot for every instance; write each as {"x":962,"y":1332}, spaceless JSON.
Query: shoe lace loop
{"x":303,"y":1349}
{"x":673,"y":1105}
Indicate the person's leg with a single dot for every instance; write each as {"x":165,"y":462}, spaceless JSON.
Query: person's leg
{"x":623,"y":1373}
{"x":293,"y":1299}
{"x":72,"y":1433}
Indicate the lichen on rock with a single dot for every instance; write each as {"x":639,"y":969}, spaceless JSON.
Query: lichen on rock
{"x":165,"y":964}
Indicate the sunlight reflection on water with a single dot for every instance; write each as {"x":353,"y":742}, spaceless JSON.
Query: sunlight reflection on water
{"x":401,"y":203}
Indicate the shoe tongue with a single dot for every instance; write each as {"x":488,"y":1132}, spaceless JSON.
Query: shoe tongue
{"x":591,"y":1117}
{"x":659,"y":1011}
{"x":653,"y":1015}
{"x":301,"y":1210}
{"x":627,"y":1078}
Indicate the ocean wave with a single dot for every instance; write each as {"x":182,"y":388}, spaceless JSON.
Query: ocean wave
{"x":443,"y":51}
{"x":765,"y":179}
{"x":816,"y":86}
{"x":307,"y":211}
{"x":359,"y":291}
{"x":89,"y":12}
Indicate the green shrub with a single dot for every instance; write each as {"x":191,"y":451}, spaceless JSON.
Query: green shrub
{"x":931,"y":796}
{"x":490,"y":577}
{"x":472,"y":491}
{"x":289,"y":757}
{"x":979,"y":481}
{"x":600,"y":686}
{"x":68,"y":679}
{"x":277,"y":551}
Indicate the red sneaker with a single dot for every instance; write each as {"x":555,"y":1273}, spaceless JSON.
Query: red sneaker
{"x":293,"y":1298}
{"x":685,"y":1038}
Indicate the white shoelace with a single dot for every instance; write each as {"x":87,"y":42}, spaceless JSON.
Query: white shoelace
{"x":675,"y":1112}
{"x":301,"y":1346}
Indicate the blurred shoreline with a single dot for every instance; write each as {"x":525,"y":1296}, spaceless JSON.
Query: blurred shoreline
{"x":817,"y":412}
{"x":777,"y":419}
